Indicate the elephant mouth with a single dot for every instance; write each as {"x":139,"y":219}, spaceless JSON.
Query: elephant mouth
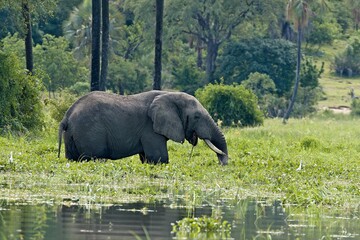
{"x":192,"y":138}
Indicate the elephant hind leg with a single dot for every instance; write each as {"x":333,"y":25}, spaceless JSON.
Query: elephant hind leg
{"x":71,"y":151}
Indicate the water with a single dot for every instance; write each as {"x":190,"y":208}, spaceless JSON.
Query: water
{"x":249,"y":219}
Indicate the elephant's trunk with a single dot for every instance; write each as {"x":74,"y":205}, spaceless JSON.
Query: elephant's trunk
{"x":217,"y":143}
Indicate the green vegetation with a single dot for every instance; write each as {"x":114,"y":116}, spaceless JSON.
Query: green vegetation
{"x":20,"y":105}
{"x":202,"y":228}
{"x":274,"y":57}
{"x":347,"y":62}
{"x":310,"y":162}
{"x":303,"y":163}
{"x":233,"y":105}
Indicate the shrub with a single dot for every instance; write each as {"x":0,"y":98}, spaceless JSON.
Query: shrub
{"x":58,"y":106}
{"x":231,"y":104}
{"x":202,"y":228}
{"x":309,"y":143}
{"x":20,"y":103}
{"x":355,"y":107}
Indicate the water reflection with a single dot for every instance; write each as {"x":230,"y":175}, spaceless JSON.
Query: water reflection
{"x":249,"y":219}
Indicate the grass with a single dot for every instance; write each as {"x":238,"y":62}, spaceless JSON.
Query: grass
{"x":264,"y":163}
{"x":336,"y":88}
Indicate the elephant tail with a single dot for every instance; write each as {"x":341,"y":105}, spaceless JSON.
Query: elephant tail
{"x":62,"y":128}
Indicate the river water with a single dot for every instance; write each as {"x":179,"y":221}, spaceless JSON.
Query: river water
{"x":249,"y":219}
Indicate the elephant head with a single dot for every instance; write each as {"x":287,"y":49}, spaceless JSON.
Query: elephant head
{"x":179,"y":116}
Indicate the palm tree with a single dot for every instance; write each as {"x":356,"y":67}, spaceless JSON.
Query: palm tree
{"x":77,"y":30}
{"x":28,"y":37}
{"x":95,"y":45}
{"x":158,"y":43}
{"x":104,"y":42}
{"x":298,"y":11}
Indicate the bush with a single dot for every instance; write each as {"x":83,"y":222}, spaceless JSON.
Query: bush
{"x":355,"y":107}
{"x":231,"y":104}
{"x":20,"y":103}
{"x":58,"y":106}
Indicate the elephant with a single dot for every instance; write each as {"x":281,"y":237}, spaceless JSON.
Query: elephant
{"x":103,"y":125}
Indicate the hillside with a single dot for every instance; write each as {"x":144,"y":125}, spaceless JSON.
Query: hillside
{"x":336,"y":89}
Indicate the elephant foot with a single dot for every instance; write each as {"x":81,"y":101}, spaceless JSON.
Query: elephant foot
{"x":153,"y":160}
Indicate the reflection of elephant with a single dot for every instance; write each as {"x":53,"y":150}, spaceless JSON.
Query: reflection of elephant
{"x":103,"y":125}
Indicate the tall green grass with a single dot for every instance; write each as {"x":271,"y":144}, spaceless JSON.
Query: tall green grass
{"x":308,"y":162}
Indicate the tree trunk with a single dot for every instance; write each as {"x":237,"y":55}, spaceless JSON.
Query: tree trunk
{"x":105,"y":43}
{"x":212,"y":50}
{"x":158,"y":43}
{"x":297,"y":80}
{"x":28,"y":37}
{"x":95,"y":45}
{"x":199,"y":60}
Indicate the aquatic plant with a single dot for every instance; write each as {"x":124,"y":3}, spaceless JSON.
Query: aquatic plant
{"x":202,"y":228}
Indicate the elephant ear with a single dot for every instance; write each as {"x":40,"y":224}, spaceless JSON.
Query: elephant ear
{"x":165,"y":116}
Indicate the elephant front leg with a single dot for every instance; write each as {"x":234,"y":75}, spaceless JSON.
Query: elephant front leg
{"x":142,"y":157}
{"x":155,"y":149}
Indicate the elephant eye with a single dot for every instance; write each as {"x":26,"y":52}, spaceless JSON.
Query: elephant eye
{"x":196,"y":116}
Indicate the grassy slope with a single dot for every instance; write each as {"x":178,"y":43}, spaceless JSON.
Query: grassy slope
{"x":264,"y":163}
{"x":336,"y":89}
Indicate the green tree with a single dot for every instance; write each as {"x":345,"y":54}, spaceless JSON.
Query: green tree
{"x":213,"y":22}
{"x":26,"y":9}
{"x":354,"y":6}
{"x":263,"y":87}
{"x":77,"y":30}
{"x":274,"y":57}
{"x":55,"y":58}
{"x":126,"y":76}
{"x":20,"y":103}
{"x":128,"y":40}
{"x":187,"y":76}
{"x":321,"y":32}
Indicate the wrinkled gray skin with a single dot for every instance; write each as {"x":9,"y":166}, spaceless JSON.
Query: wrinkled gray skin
{"x":104,"y":125}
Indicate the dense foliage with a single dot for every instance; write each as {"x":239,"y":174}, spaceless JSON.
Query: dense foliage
{"x":231,"y":104}
{"x":203,"y":42}
{"x":274,"y":57}
{"x":20,"y":105}
{"x":264,"y":88}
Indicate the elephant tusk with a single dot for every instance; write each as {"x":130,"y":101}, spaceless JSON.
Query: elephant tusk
{"x":212,"y":147}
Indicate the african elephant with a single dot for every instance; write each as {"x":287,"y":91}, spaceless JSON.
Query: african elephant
{"x":106,"y":125}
